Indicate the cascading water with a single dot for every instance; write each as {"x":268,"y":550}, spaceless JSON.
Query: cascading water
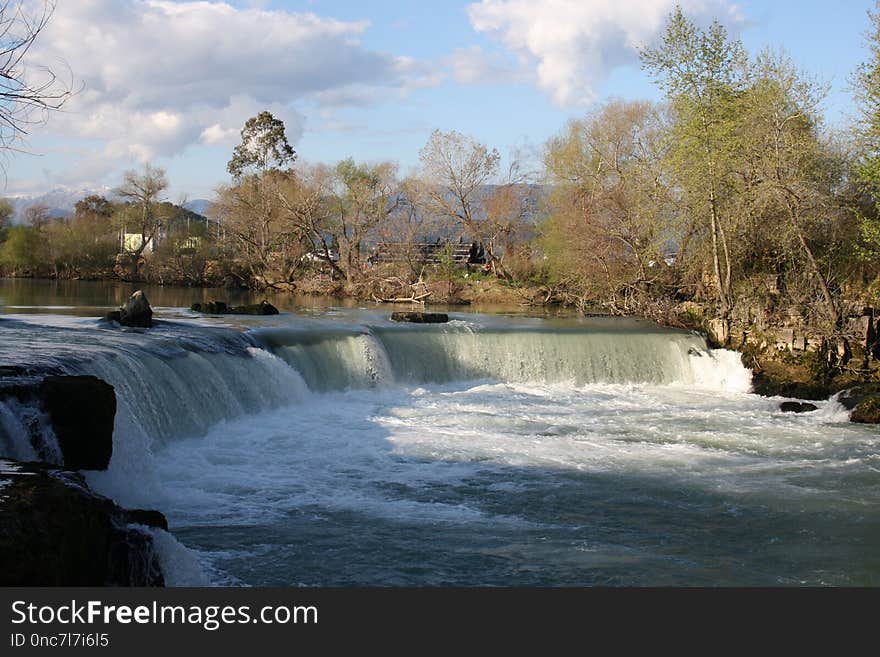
{"x":357,"y":451}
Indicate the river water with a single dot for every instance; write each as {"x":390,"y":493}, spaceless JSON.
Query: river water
{"x":329,"y":446}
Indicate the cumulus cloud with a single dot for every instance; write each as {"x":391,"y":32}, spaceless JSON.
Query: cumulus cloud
{"x":573,"y":45}
{"x":160,"y":76}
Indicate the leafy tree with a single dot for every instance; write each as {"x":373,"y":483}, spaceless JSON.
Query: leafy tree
{"x":702,"y":74}
{"x":263,"y":146}
{"x":866,"y":85}
{"x":6,"y":212}
{"x":22,"y":251}
{"x":362,"y":197}
{"x":608,"y":228}
{"x":791,"y":175}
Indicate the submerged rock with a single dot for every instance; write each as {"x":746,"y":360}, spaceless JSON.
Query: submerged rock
{"x":420,"y":317}
{"x":262,"y":308}
{"x":797,"y":407}
{"x":136,"y":312}
{"x":867,"y":411}
{"x":54,"y":531}
{"x":210,"y":307}
{"x":221,"y":308}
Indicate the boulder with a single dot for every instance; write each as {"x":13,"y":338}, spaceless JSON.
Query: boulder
{"x":82,"y":410}
{"x":420,"y":317}
{"x":797,"y":407}
{"x":54,"y":531}
{"x":262,"y":308}
{"x":136,"y":312}
{"x":221,"y":308}
{"x":147,"y":517}
{"x":867,"y":412}
{"x":211,"y":308}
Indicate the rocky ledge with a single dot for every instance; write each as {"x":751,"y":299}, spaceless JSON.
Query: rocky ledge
{"x":54,"y":531}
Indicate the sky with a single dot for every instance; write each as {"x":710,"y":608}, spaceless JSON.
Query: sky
{"x":172,"y":82}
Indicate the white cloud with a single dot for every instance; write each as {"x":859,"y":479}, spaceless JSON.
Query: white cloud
{"x":472,"y":65}
{"x":160,"y":76}
{"x":573,"y":45}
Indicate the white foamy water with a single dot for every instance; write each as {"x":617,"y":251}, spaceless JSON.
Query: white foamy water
{"x":492,"y":451}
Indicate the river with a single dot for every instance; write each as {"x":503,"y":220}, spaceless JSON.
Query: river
{"x":329,"y":446}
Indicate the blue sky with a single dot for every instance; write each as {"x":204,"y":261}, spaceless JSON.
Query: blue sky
{"x":172,"y":82}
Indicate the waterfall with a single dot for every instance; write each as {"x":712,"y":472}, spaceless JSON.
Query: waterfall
{"x":179,"y":380}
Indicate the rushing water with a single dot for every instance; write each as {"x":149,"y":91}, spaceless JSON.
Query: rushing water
{"x":329,"y":446}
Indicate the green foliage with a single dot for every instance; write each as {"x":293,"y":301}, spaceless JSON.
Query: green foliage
{"x":22,"y":249}
{"x":263,"y":146}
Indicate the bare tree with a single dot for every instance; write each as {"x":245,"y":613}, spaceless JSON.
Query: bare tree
{"x":27,"y":93}
{"x":144,"y":192}
{"x":456,"y":170}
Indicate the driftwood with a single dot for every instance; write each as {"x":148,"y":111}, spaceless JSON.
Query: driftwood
{"x":420,"y":292}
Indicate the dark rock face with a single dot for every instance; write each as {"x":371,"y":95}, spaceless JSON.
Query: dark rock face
{"x":54,"y":531}
{"x":220,"y":308}
{"x":136,"y":312}
{"x":867,"y":411}
{"x":147,"y":517}
{"x":420,"y":317}
{"x":82,"y":410}
{"x":771,"y":386}
{"x":796,"y":407}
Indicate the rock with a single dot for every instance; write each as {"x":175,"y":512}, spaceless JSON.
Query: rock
{"x":769,"y":385}
{"x":796,"y":407}
{"x":262,"y":308}
{"x":420,"y":317}
{"x":147,"y":517}
{"x":719,"y":332}
{"x":82,"y":410}
{"x":136,"y":312}
{"x":220,"y":308}
{"x":211,"y":308}
{"x":867,"y":412}
{"x":784,"y":338}
{"x":54,"y":531}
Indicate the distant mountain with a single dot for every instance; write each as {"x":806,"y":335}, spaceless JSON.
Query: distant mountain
{"x":60,"y":201}
{"x":199,"y":206}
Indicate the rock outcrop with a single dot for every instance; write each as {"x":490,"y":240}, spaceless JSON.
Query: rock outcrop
{"x":221,"y":308}
{"x":867,"y":411}
{"x":416,"y":317}
{"x":82,"y":410}
{"x":136,"y":312}
{"x":54,"y":531}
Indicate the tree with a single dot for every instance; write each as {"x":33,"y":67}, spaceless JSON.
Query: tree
{"x":455,"y":171}
{"x":790,"y":174}
{"x":37,"y":216}
{"x":27,"y":95}
{"x":143,"y":191}
{"x":22,"y":250}
{"x":608,"y":227}
{"x":6,"y":212}
{"x":702,"y":74}
{"x":263,"y":146}
{"x":866,"y":86}
{"x":362,"y":197}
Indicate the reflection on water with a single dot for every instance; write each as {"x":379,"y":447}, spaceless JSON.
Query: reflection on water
{"x":92,"y":298}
